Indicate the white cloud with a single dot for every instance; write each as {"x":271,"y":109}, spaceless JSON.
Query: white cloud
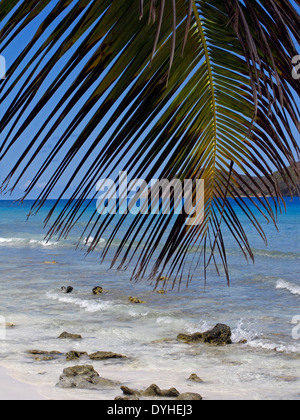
{"x":38,"y":186}
{"x":26,"y":185}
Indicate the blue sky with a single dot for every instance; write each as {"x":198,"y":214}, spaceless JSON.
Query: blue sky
{"x":10,"y":55}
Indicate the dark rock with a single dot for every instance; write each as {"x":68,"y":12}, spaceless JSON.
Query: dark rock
{"x":83,"y":377}
{"x":44,"y":356}
{"x":67,"y":336}
{"x":97,"y":290}
{"x":44,"y":353}
{"x":130,"y":392}
{"x":220,"y":335}
{"x":67,"y":290}
{"x":74,"y":355}
{"x":172,"y":392}
{"x":152,"y":391}
{"x":132,"y":398}
{"x":190,"y":338}
{"x":135,"y":300}
{"x":155,"y":391}
{"x":103,"y":355}
{"x":195,"y":378}
{"x":189,"y":396}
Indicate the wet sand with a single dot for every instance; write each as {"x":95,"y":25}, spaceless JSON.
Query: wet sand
{"x":11,"y":389}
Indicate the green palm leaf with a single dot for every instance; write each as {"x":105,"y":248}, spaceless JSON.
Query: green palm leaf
{"x":189,"y":89}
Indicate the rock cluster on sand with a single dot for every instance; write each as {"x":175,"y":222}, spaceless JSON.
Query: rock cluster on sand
{"x":83,"y":377}
{"x":220,"y":335}
{"x":154,"y":391}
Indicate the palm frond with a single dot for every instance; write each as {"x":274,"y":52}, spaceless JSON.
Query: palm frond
{"x":192,"y":89}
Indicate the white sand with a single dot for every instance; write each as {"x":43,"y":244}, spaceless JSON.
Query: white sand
{"x":11,"y":389}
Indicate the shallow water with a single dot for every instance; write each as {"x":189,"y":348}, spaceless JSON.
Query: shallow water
{"x":259,"y":307}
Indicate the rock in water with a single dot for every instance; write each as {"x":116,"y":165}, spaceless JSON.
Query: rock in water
{"x":195,"y":378}
{"x":44,"y":356}
{"x":97,"y":290}
{"x":135,"y":300}
{"x":67,"y":290}
{"x":34,"y":352}
{"x":83,"y":377}
{"x":161,"y":292}
{"x":74,"y":355}
{"x":220,"y":335}
{"x":67,"y":336}
{"x":190,"y":338}
{"x":104,"y":355}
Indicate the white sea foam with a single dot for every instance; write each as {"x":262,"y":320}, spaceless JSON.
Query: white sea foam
{"x":42,"y":243}
{"x":89,"y":240}
{"x":87,"y":305}
{"x":291,"y":287}
{"x":256,"y":340}
{"x":241,"y":332}
{"x":137,"y":314}
{"x":200,"y":327}
{"x":267,"y":345}
{"x":268,"y":253}
{"x":5,"y":241}
{"x":21,"y":242}
{"x":165,"y":320}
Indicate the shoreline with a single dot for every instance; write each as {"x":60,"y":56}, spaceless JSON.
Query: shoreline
{"x":12,"y":389}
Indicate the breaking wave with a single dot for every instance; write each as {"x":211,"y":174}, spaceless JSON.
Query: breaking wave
{"x":22,"y":242}
{"x":87,"y":305}
{"x":291,"y":287}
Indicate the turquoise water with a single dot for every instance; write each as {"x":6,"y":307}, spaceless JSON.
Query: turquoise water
{"x":259,"y":306}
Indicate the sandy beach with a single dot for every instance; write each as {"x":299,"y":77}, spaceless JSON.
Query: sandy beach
{"x":13,"y":390}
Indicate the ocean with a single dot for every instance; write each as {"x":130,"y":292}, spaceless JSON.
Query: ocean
{"x":261,"y":306}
